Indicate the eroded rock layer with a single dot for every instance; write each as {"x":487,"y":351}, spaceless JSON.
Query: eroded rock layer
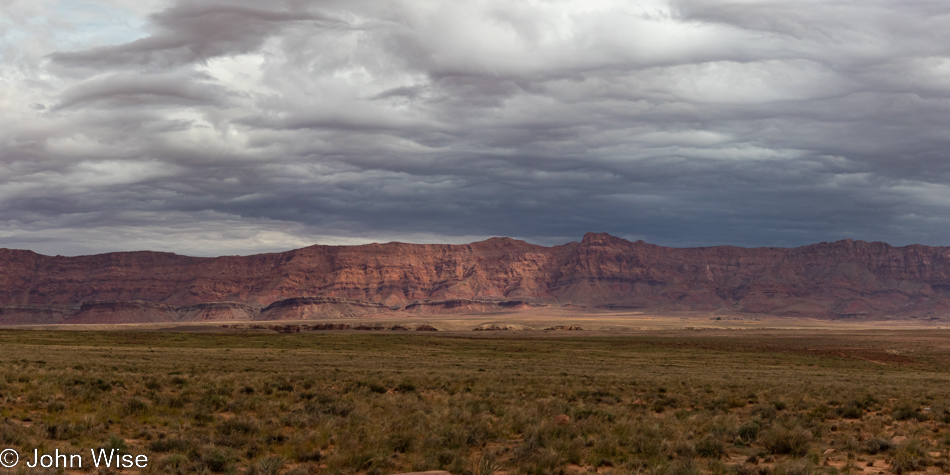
{"x":309,"y":308}
{"x":844,"y":279}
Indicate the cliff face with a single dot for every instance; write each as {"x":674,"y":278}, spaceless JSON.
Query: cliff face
{"x":841,"y":279}
{"x":834,"y":280}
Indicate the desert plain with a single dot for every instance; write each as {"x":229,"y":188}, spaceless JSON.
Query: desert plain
{"x":536,"y":392}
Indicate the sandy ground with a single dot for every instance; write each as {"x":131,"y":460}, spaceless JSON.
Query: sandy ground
{"x":590,"y":322}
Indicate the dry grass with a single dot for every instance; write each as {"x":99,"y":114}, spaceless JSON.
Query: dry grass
{"x":686,"y":402}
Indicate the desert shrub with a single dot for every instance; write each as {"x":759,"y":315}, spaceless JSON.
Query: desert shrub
{"x":234,"y":411}
{"x":202,"y":417}
{"x":309,"y":456}
{"x":800,"y":466}
{"x":646,"y":443}
{"x":748,"y":432}
{"x":176,"y":402}
{"x":211,"y":402}
{"x":170,"y":445}
{"x":217,"y":460}
{"x":588,"y":412}
{"x":786,"y":441}
{"x":135,"y":406}
{"x":571,"y":450}
{"x":10,"y":434}
{"x":373,"y":387}
{"x":602,"y":453}
{"x":743,"y":469}
{"x":339,"y":409}
{"x":64,"y":430}
{"x":175,"y":463}
{"x":821,"y":411}
{"x":877,"y":445}
{"x":542,"y":462}
{"x":680,"y":467}
{"x":766,"y":413}
{"x":717,"y":405}
{"x":117,"y":443}
{"x":849,"y":444}
{"x":681,"y":448}
{"x":906,"y":412}
{"x":236,"y":426}
{"x":662,"y":402}
{"x":850,"y":411}
{"x":268,"y":466}
{"x":710,"y":447}
{"x":910,"y":456}
{"x":866,"y":402}
{"x":54,"y":407}
{"x":485,"y":464}
{"x":400,"y":442}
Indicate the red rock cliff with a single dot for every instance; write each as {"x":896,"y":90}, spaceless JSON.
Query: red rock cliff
{"x":841,"y":279}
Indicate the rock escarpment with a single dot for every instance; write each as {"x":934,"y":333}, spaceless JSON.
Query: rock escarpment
{"x":844,"y":279}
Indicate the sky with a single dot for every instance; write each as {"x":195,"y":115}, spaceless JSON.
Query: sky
{"x":236,"y":127}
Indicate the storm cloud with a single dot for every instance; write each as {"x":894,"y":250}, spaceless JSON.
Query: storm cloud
{"x":209,"y":128}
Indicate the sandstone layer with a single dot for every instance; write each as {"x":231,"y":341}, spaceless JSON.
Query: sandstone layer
{"x":844,"y":279}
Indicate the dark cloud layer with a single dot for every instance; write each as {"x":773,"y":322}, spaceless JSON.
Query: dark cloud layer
{"x":241,"y":127}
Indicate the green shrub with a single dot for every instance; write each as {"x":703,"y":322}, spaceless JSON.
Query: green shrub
{"x":236,"y":427}
{"x":485,"y":464}
{"x":906,"y":412}
{"x":63,"y":431}
{"x":910,"y":456}
{"x":710,"y":447}
{"x":850,"y":411}
{"x":136,"y":406}
{"x":786,"y":441}
{"x":748,"y":432}
{"x":271,"y":465}
{"x":877,"y":445}
{"x":175,"y":463}
{"x":116,"y":443}
{"x":216,"y":460}
{"x":170,"y":445}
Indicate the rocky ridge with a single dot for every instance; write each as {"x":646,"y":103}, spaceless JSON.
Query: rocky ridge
{"x":844,"y":279}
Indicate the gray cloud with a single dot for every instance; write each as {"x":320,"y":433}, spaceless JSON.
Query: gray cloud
{"x":189,"y":32}
{"x":243,"y":127}
{"x":124,"y":90}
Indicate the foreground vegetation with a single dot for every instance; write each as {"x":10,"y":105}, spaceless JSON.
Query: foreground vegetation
{"x":371,"y":403}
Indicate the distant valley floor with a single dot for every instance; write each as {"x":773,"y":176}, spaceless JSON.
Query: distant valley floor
{"x":530,"y":322}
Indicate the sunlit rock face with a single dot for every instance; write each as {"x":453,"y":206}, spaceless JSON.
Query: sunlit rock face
{"x":844,"y":279}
